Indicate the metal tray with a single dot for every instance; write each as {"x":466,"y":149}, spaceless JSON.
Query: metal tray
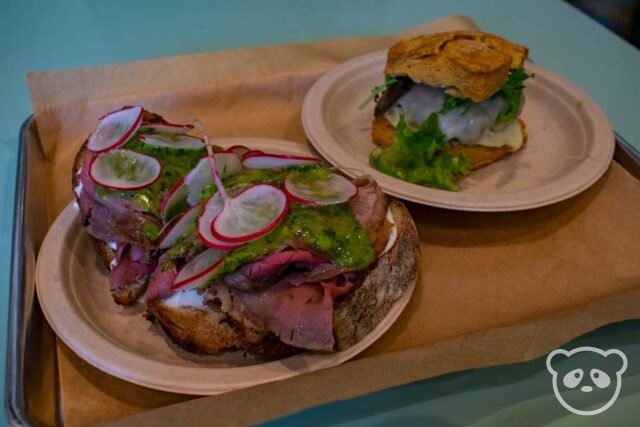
{"x":31,"y":379}
{"x":31,"y":388}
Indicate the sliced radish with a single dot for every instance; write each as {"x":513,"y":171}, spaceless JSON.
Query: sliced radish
{"x":251,"y":214}
{"x":252,"y":152}
{"x":200,"y":270}
{"x":178,"y":229}
{"x":124,"y":170}
{"x":211,"y":210}
{"x":176,"y":196}
{"x":166,"y":127}
{"x":115,"y":129}
{"x":336,"y":189}
{"x":240,"y":150}
{"x":184,"y":142}
{"x":275,"y":161}
{"x":201,"y":176}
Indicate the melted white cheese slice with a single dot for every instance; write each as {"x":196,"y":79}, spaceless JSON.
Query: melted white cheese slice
{"x":465,"y":126}
{"x":510,"y":136}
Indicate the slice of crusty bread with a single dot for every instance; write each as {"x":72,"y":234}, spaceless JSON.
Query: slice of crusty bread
{"x":127,"y":295}
{"x":202,"y":330}
{"x":478,"y":155}
{"x":469,"y":64}
{"x":364,"y":308}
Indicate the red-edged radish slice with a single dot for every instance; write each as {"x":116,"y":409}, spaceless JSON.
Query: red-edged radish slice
{"x":184,"y":142}
{"x":166,"y":127}
{"x":336,"y":189}
{"x":178,"y":229}
{"x":201,"y":176}
{"x":124,"y":170}
{"x":275,"y":161}
{"x":240,"y":150}
{"x":199,"y":270}
{"x":211,"y":210}
{"x":252,"y":152}
{"x":251,"y":214}
{"x":228,"y":163}
{"x":115,"y":129}
{"x":176,"y":196}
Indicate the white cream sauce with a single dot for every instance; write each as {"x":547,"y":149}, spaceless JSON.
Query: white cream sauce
{"x":186,"y":298}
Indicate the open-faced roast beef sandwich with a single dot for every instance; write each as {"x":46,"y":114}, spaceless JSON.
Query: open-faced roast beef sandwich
{"x":239,"y":249}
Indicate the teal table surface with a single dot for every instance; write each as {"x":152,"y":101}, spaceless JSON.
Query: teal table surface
{"x":39,"y":36}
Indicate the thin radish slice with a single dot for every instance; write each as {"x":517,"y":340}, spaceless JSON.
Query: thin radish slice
{"x":336,"y":189}
{"x":200,"y":270}
{"x":251,"y":214}
{"x":240,"y":150}
{"x":211,"y":210}
{"x":275,"y":161}
{"x":175,"y":198}
{"x":252,"y":152}
{"x":166,"y":127}
{"x":124,"y":170}
{"x":184,"y":142}
{"x":201,"y":177}
{"x":115,"y":129}
{"x":178,"y":229}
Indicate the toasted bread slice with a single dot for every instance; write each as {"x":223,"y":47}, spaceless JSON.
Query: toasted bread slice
{"x":469,"y":64}
{"x":130,"y":293}
{"x":478,"y":155}
{"x":364,"y":308}
{"x":202,"y":330}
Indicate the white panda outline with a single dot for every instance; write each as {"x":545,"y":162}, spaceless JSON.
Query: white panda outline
{"x":603,"y":353}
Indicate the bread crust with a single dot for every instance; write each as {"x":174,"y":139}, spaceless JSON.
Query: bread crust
{"x":469,"y":64}
{"x":202,"y":330}
{"x":382,"y":134}
{"x":364,"y":308}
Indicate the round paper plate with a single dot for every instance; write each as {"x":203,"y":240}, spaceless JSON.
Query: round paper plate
{"x":570,"y":142}
{"x":73,"y":289}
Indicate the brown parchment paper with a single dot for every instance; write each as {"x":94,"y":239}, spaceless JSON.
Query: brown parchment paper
{"x":494,"y":288}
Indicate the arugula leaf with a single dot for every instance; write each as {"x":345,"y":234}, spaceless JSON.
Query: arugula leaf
{"x":377,"y":90}
{"x":511,"y":91}
{"x":452,"y":102}
{"x":420,"y":156}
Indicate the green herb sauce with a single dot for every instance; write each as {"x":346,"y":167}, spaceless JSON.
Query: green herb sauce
{"x":330,"y":230}
{"x":176,"y":163}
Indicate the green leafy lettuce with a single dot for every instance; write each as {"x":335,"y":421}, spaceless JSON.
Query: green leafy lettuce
{"x":420,"y":156}
{"x":453,"y":102}
{"x":377,"y":90}
{"x":511,"y":91}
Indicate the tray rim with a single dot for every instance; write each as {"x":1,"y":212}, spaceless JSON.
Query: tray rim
{"x":15,"y":404}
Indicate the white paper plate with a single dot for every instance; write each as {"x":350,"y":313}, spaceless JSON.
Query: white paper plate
{"x":73,"y":289}
{"x":570,"y":142}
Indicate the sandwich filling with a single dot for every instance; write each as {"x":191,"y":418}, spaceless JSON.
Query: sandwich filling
{"x":428,"y":121}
